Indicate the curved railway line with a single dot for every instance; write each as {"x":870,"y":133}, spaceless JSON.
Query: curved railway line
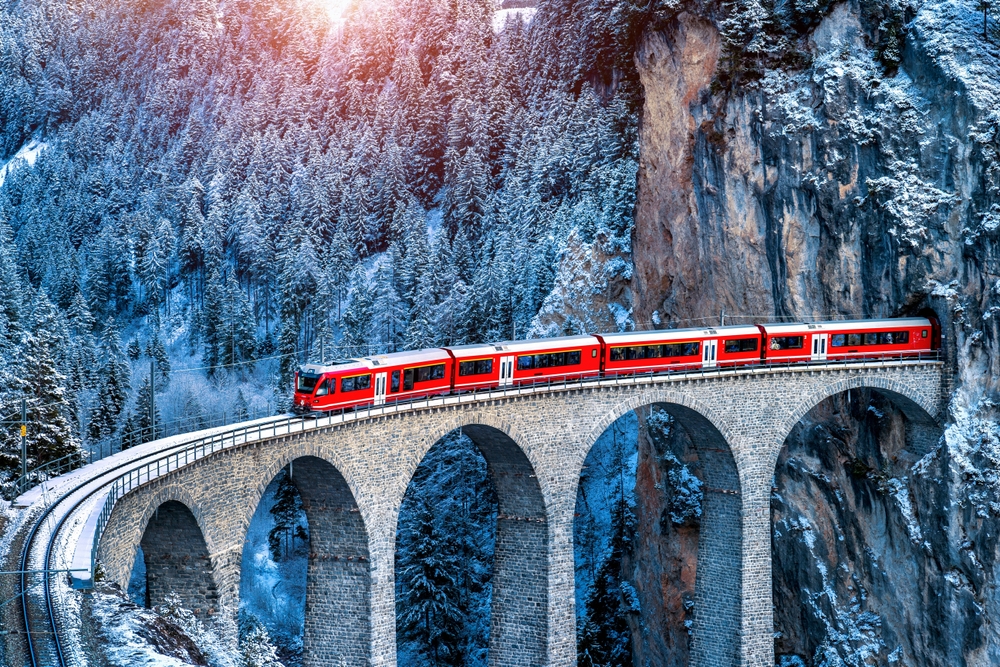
{"x":47,"y":606}
{"x":118,"y":479}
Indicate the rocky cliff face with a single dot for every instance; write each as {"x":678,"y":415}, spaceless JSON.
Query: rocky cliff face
{"x":844,"y":190}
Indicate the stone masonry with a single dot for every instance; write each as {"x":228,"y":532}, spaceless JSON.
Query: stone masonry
{"x":177,"y":560}
{"x":353,"y":476}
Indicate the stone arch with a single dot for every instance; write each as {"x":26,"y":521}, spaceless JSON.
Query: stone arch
{"x":519,"y":616}
{"x":177,"y":556}
{"x":922,"y":426}
{"x":663,"y":398}
{"x":299,"y":446}
{"x":338,"y":577}
{"x":716,"y":638}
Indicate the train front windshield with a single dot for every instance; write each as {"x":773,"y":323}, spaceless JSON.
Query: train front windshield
{"x":307,"y":383}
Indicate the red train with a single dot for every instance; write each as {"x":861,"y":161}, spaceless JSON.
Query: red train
{"x":408,"y":375}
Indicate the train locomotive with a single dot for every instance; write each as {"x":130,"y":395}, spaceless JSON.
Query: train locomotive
{"x":402,"y":376}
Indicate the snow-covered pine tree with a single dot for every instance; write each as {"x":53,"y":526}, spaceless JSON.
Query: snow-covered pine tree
{"x":241,"y":409}
{"x":238,"y":336}
{"x":156,"y":351}
{"x":50,"y":435}
{"x":428,"y":611}
{"x":389,"y":318}
{"x":255,"y":644}
{"x":289,"y":519}
{"x":113,"y":381}
{"x":134,"y":350}
{"x":360,"y":314}
{"x":212,"y":321}
{"x":142,"y":418}
{"x":192,"y":245}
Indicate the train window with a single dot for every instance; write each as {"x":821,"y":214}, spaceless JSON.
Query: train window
{"x":786,"y":342}
{"x":838,"y":340}
{"x":478,"y":367}
{"x":923,"y":334}
{"x":355,"y":383}
{"x":408,"y":379}
{"x":428,"y":373}
{"x":871,"y":338}
{"x":618,"y":354}
{"x":853,"y":340}
{"x":324,"y":388}
{"x":894,"y":337}
{"x":741,"y":345}
{"x":307,"y":383}
{"x":690,"y":349}
{"x":395,"y":381}
{"x":593,"y":353}
{"x":552,"y":359}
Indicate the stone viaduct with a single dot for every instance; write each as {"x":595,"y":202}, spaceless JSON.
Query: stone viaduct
{"x":192,"y":522}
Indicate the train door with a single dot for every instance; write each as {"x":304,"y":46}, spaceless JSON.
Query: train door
{"x":819,"y":346}
{"x":709,"y":350}
{"x":380,"y":388}
{"x":506,"y":371}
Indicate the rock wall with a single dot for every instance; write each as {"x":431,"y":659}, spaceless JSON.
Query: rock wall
{"x":842,"y":190}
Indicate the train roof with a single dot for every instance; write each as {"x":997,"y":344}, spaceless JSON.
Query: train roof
{"x":562,"y":342}
{"x":656,"y":335}
{"x":848,"y":325}
{"x":473,"y":350}
{"x":339,"y":365}
{"x":406,"y":358}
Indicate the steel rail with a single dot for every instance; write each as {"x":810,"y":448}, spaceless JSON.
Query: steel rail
{"x":47,"y":557}
{"x":170,"y":460}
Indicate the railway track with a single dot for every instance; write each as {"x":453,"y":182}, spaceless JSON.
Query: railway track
{"x":43,"y":642}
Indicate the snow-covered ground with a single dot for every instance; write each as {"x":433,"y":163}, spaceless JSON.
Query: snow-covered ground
{"x":27,"y":154}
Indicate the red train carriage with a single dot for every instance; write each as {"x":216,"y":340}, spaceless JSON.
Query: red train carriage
{"x":545,"y":359}
{"x":316,"y":386}
{"x":850,"y":339}
{"x":680,"y":349}
{"x":373,"y":380}
{"x":479,"y":366}
{"x":407,"y":375}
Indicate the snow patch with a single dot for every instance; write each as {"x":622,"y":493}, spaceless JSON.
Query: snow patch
{"x":901,"y":493}
{"x":27,"y":154}
{"x":502,"y":16}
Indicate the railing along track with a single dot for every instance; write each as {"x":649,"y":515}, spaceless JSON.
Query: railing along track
{"x":48,"y":606}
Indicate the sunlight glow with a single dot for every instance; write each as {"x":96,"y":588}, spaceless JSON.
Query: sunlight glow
{"x":336,"y":8}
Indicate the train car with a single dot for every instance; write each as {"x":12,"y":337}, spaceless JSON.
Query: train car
{"x":680,"y":349}
{"x":372,"y":380}
{"x":316,"y":386}
{"x":478,"y":366}
{"x":546,"y":359}
{"x":406,"y":375}
{"x":851,"y":339}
